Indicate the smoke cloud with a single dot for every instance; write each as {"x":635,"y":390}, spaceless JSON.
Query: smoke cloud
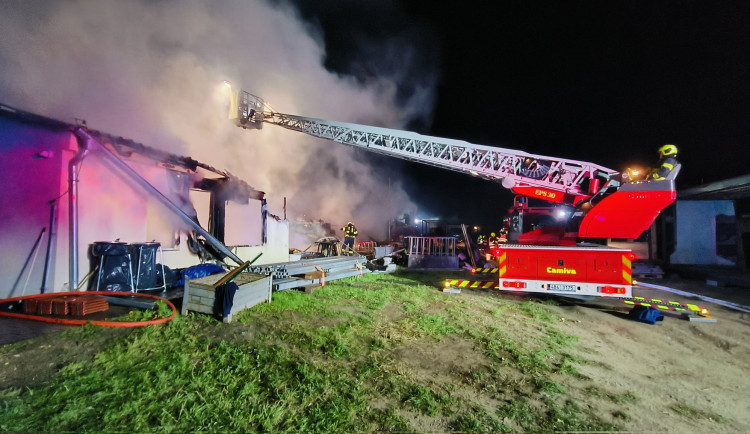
{"x":152,"y":71}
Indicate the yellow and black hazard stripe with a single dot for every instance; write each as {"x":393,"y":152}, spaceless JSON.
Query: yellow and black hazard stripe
{"x":484,"y":270}
{"x":502,"y":264}
{"x":472,"y":284}
{"x":655,"y":305}
{"x":689,"y":306}
{"x":627,"y":270}
{"x":667,"y":305}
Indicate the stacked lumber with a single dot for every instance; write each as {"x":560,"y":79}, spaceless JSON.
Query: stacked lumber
{"x":79,"y":305}
{"x":82,"y":306}
{"x":44,"y":306}
{"x":61,"y":306}
{"x":29,"y":306}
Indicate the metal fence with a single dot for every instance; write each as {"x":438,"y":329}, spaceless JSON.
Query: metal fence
{"x":434,"y":246}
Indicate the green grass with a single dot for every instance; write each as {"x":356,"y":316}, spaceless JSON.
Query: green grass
{"x":343,"y":359}
{"x":436,"y":326}
{"x":477,"y":420}
{"x":623,"y":398}
{"x":426,"y":401}
{"x":692,"y":413}
{"x":136,"y":315}
{"x":519,"y":411}
{"x":538,"y":311}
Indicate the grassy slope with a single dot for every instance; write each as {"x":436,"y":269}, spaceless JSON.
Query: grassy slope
{"x":382,"y":352}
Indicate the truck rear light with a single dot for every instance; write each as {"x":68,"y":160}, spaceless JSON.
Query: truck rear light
{"x":612,"y":290}
{"x":517,"y":285}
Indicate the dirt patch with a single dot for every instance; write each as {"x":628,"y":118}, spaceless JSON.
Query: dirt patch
{"x":350,"y":310}
{"x":34,"y":362}
{"x":393,"y":312}
{"x":658,"y":371}
{"x":429,"y":358}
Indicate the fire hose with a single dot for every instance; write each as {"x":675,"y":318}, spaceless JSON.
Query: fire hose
{"x":65,"y":321}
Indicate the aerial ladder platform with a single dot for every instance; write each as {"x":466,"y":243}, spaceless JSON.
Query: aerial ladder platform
{"x":599,"y":204}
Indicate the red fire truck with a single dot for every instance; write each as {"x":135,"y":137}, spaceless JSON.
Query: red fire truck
{"x":591,"y":203}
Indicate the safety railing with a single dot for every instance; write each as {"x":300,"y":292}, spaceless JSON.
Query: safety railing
{"x":435,"y":246}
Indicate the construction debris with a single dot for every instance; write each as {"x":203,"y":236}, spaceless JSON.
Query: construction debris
{"x":78,"y":306}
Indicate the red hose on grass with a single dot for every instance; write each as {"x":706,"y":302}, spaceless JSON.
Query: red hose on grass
{"x":84,"y":321}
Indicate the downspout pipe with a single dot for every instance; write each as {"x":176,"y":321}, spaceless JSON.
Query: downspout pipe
{"x":84,"y":136}
{"x":50,"y":240}
{"x":73,"y":169}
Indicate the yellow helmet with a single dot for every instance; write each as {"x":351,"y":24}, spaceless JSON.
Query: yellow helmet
{"x":667,"y":150}
{"x":492,"y":234}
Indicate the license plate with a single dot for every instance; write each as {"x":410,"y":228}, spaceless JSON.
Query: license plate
{"x":561,"y":287}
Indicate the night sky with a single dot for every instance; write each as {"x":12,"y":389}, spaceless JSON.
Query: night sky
{"x":600,"y":81}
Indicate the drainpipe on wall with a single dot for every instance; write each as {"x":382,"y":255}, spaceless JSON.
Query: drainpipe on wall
{"x":83,"y":136}
{"x":73,"y":169}
{"x":50,"y":240}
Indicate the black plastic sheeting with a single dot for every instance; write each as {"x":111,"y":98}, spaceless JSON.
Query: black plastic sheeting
{"x":144,"y":258}
{"x":122,"y":266}
{"x":114,"y":266}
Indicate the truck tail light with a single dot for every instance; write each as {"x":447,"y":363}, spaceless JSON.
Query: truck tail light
{"x":517,"y":285}
{"x":612,"y":290}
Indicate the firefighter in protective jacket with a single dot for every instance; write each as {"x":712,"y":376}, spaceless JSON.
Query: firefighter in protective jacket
{"x":667,"y":162}
{"x":350,"y":232}
{"x":492,"y":241}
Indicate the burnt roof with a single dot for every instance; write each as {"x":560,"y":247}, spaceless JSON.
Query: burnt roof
{"x":728,"y":189}
{"x":125,"y":148}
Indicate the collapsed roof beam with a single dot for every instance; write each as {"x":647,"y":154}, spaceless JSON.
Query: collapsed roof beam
{"x":86,"y":141}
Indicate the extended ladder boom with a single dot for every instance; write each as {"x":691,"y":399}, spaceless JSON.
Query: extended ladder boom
{"x":602,"y":206}
{"x":549,"y":178}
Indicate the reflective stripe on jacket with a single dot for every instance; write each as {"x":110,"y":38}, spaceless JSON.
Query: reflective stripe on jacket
{"x":349,"y":231}
{"x":665,"y":166}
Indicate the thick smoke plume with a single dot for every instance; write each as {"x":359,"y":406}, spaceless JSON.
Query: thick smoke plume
{"x":152,"y":71}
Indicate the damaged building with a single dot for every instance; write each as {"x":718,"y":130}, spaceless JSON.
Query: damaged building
{"x":68,"y":190}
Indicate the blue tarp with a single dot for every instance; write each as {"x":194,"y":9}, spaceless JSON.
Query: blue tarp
{"x":197,"y":271}
{"x":649,"y":315}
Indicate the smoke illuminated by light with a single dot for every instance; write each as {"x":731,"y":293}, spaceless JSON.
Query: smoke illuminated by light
{"x":148,"y":71}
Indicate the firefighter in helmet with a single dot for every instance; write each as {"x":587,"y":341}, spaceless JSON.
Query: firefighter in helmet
{"x":481,"y":240}
{"x":667,"y":162}
{"x":492,"y":241}
{"x":350,"y":232}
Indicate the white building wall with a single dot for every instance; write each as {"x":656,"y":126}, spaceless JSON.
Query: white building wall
{"x":275,"y":250}
{"x":696,"y":232}
{"x":30,"y":177}
{"x":34,"y":171}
